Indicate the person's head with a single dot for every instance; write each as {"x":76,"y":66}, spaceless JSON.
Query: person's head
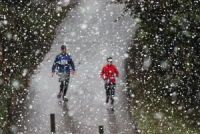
{"x":63,"y":49}
{"x":109,"y":60}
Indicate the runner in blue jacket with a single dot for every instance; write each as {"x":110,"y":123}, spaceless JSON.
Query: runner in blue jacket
{"x":63,"y":62}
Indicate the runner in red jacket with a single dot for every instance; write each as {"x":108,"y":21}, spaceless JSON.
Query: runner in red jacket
{"x":108,"y":74}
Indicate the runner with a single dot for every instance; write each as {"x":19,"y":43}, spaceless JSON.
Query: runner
{"x":63,"y":62}
{"x":108,"y":74}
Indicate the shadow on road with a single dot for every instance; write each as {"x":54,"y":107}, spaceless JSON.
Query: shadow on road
{"x":67,"y":120}
{"x":113,"y":126}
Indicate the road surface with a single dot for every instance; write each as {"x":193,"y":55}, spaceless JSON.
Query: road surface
{"x":91,"y":35}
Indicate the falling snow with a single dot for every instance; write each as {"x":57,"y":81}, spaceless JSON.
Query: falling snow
{"x":154,"y":45}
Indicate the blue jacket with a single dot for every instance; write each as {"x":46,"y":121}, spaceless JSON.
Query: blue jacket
{"x":63,"y":62}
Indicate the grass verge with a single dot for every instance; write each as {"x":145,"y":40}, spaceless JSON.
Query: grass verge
{"x":154,"y":114}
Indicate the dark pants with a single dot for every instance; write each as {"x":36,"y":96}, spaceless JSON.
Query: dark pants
{"x":64,"y":82}
{"x":110,"y":91}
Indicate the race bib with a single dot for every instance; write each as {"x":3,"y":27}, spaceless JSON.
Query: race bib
{"x":63,"y":62}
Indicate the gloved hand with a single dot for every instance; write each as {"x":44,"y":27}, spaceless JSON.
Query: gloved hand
{"x":107,"y":80}
{"x":72,"y":72}
{"x":52,"y":74}
{"x":117,"y":76}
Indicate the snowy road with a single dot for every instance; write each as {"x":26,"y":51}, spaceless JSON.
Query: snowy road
{"x":91,"y":35}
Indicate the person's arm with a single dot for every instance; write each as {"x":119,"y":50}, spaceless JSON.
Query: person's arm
{"x":102,"y":74}
{"x":116,"y":72}
{"x":54,"y":65}
{"x":72,"y":64}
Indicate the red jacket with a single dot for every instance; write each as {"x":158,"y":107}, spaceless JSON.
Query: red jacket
{"x":109,"y":72}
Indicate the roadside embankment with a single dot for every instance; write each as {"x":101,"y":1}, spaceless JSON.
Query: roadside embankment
{"x":163,"y":66}
{"x":26,"y":32}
